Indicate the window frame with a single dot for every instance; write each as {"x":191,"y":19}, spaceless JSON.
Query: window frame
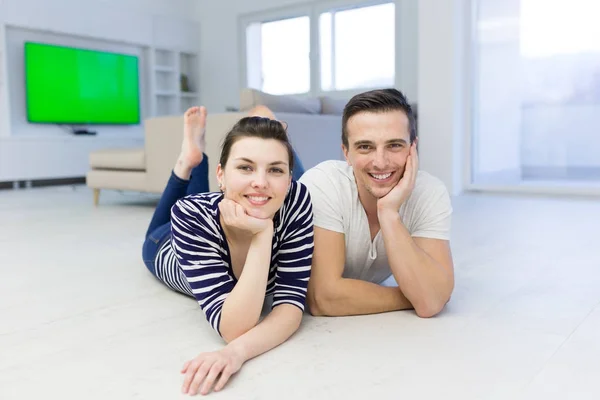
{"x":345,"y":5}
{"x":313,"y":10}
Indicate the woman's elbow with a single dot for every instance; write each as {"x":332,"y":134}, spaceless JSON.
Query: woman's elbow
{"x":295,"y":325}
{"x":229,"y":337}
{"x":231,"y":332}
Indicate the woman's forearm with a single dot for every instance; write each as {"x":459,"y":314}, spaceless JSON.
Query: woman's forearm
{"x":242,"y":308}
{"x":275,"y":329}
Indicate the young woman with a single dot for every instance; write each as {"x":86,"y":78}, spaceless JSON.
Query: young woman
{"x":231,"y":248}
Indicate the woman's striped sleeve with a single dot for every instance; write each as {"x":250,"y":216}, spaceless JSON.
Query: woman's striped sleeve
{"x":295,"y":254}
{"x":195,"y":239}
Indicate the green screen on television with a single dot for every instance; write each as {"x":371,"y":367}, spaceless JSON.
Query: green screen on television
{"x":77,"y":86}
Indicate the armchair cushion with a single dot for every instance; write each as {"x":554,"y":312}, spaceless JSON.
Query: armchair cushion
{"x":119,"y":159}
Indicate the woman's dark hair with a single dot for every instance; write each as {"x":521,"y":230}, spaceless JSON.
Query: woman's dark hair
{"x":257,"y":127}
{"x":376,"y":101}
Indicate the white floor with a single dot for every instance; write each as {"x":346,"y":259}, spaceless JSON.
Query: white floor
{"x":81,"y":318}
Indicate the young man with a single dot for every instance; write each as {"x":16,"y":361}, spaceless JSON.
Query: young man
{"x":376,"y":215}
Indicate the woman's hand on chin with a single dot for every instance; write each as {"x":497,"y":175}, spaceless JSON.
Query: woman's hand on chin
{"x":236,"y":217}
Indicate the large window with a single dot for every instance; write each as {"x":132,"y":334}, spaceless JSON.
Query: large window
{"x":357,"y":47}
{"x":355,"y":50}
{"x":278,"y":58}
{"x":537,"y":93}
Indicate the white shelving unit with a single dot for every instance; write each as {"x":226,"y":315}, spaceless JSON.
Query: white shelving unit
{"x":174,"y":81}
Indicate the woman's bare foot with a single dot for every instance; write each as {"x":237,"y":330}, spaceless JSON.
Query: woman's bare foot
{"x":192,"y":147}
{"x":194,"y":128}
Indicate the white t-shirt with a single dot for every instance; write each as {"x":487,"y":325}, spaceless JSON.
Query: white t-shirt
{"x":336,"y":207}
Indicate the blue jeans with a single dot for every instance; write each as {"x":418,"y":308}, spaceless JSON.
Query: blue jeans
{"x":159,"y":229}
{"x":298,"y":170}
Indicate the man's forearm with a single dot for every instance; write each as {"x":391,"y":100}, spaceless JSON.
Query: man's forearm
{"x":242,"y":308}
{"x":356,"y":297}
{"x":423,"y":280}
{"x":275,"y":329}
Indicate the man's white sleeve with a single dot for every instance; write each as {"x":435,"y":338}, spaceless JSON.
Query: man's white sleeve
{"x":326,"y":199}
{"x":433,"y":214}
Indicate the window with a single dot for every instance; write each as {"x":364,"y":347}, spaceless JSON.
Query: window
{"x":356,"y":50}
{"x":537,"y":92}
{"x":278,"y":56}
{"x":357,"y":47}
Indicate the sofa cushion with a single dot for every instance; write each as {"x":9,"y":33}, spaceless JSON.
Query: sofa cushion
{"x":250,"y":98}
{"x":121,"y":159}
{"x":118,"y":180}
{"x":332,"y":106}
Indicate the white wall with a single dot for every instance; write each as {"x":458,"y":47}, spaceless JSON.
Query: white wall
{"x":220,"y":65}
{"x":30,"y":151}
{"x":443,"y":97}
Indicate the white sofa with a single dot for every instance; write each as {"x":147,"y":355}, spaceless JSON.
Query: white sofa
{"x":314,"y":128}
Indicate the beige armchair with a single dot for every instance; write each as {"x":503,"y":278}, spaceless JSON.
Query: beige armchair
{"x":148,"y":169}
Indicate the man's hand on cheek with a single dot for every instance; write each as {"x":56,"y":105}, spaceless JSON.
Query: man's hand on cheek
{"x":400,"y":193}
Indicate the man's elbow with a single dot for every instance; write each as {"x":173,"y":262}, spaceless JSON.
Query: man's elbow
{"x":433,"y":304}
{"x":319,"y":304}
{"x":315,"y":307}
{"x":429,"y":309}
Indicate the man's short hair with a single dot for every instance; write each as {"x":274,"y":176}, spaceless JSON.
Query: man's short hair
{"x":378,"y":101}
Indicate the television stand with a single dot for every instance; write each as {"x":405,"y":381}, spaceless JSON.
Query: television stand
{"x":78,"y":131}
{"x":83,"y":132}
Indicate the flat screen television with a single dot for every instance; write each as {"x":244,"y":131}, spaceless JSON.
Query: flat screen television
{"x":66,"y":85}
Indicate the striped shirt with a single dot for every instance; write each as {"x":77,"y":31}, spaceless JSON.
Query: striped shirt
{"x":196,"y":261}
